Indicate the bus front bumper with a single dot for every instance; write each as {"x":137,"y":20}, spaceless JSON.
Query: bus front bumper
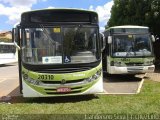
{"x":131,"y":69}
{"x":30,"y":92}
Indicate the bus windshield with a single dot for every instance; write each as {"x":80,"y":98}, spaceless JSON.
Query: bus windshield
{"x":60,"y":45}
{"x":131,"y":45}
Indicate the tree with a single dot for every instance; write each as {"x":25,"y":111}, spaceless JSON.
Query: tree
{"x":136,"y":12}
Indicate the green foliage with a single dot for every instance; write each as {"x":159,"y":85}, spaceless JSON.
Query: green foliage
{"x":136,"y":12}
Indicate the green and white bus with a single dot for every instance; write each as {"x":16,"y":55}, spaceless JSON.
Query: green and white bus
{"x":128,"y":50}
{"x":59,"y":53}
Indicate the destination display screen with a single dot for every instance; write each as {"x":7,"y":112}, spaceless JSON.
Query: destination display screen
{"x":130,"y":30}
{"x":58,"y":16}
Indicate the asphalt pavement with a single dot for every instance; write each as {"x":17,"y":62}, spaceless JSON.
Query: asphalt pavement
{"x":122,"y":84}
{"x":9,"y":84}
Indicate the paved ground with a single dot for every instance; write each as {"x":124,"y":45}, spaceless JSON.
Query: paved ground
{"x":122,"y":84}
{"x":154,"y":76}
{"x":9,"y":80}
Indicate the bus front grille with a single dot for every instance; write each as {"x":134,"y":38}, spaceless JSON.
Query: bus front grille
{"x":134,"y":64}
{"x":64,"y":70}
{"x":134,"y":69}
{"x":60,"y":82}
{"x":53,"y":89}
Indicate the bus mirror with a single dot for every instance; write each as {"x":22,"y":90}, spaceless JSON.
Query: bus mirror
{"x":15,"y":37}
{"x":103,"y":42}
{"x":13,"y":34}
{"x":109,"y":39}
{"x":153,"y":38}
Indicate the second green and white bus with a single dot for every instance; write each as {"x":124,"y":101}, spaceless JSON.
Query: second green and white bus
{"x":60,"y":53}
{"x":128,"y":50}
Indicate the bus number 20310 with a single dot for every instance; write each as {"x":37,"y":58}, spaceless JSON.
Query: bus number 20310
{"x":45,"y":77}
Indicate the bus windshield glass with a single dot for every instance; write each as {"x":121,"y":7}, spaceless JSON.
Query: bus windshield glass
{"x":131,"y":45}
{"x":60,"y":45}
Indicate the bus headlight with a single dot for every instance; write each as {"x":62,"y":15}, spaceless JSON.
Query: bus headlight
{"x":116,"y":63}
{"x":112,"y":63}
{"x":149,"y":62}
{"x":25,"y":76}
{"x":95,"y":76}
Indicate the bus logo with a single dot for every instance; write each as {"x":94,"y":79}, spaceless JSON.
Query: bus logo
{"x":63,"y":81}
{"x":46,"y":60}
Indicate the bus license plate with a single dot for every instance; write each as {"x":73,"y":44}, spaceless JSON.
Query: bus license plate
{"x":64,"y":89}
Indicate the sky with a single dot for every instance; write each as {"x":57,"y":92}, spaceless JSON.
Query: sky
{"x":10,"y":10}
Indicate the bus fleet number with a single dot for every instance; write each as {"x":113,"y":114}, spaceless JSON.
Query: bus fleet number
{"x":45,"y":77}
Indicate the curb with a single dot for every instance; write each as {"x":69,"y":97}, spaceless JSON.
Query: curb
{"x":141,"y":84}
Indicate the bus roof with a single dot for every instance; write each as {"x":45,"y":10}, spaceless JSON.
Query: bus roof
{"x":128,"y":26}
{"x":54,"y":16}
{"x":127,"y":29}
{"x":61,"y":9}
